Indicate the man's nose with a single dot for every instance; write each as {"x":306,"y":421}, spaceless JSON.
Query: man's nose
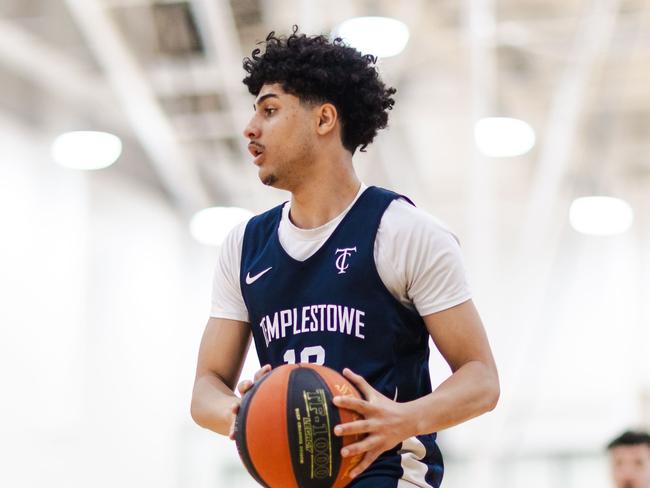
{"x":628,"y":481}
{"x":251,"y":131}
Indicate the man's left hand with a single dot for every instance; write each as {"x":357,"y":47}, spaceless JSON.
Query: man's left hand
{"x":385,"y":422}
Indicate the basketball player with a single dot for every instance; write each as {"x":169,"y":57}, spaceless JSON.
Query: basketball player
{"x":629,"y":456}
{"x":353,"y":277}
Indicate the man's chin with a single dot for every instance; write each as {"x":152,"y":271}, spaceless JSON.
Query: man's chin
{"x":269,"y":179}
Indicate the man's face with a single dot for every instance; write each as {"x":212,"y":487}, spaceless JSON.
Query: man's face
{"x":281,"y":137}
{"x":631,"y":466}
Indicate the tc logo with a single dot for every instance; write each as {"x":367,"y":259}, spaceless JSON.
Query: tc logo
{"x":340,"y":260}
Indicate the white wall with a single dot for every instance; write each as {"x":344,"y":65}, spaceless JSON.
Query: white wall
{"x":103,"y":300}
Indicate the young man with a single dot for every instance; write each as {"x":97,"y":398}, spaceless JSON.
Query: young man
{"x":629,"y":456}
{"x":352,"y":277}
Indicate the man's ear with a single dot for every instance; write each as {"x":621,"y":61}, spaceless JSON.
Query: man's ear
{"x":327,"y":118}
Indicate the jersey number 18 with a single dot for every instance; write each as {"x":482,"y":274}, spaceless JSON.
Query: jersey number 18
{"x":310,"y":354}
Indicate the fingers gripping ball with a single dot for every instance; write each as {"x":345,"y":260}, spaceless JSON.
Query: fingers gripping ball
{"x":285,"y":428}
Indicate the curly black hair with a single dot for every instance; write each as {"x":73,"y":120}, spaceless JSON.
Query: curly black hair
{"x":319,"y":70}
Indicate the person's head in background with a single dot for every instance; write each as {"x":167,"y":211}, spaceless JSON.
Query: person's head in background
{"x":629,"y":455}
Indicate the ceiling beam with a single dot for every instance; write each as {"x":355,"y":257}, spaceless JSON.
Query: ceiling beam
{"x":188,"y":77}
{"x":203,"y":126}
{"x":217,"y":27}
{"x":538,"y":243}
{"x":586,"y":56}
{"x":54,"y":71}
{"x":143,"y":110}
{"x":480,"y":34}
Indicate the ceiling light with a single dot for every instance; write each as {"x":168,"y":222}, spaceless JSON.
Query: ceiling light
{"x":503,"y":137}
{"x":600,"y":216}
{"x":380,"y":36}
{"x":86,"y":149}
{"x":210,"y":226}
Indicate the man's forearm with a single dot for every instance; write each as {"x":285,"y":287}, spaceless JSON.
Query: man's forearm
{"x":212,"y":401}
{"x":471,"y":391}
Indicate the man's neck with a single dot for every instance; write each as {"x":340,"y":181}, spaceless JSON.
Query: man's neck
{"x":324,"y":196}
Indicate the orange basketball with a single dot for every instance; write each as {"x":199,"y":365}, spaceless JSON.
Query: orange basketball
{"x":285,"y":428}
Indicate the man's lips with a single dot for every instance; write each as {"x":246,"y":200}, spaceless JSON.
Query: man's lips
{"x":256,"y":150}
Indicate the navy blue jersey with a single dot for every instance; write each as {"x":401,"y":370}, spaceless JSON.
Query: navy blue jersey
{"x":334,"y":309}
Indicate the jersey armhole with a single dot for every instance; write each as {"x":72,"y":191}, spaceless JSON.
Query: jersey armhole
{"x":373,"y":266}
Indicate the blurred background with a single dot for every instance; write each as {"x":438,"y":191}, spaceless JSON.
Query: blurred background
{"x":510,"y":114}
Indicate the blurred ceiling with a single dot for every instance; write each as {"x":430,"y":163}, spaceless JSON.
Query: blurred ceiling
{"x":166,"y":77}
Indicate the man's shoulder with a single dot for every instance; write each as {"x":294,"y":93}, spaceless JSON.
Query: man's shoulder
{"x":404,"y":220}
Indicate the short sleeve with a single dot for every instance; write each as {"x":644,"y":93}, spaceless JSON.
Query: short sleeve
{"x":427,"y":267}
{"x":439,"y":280}
{"x":227,"y":299}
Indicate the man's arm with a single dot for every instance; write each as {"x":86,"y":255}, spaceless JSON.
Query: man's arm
{"x":472,"y":389}
{"x":221,"y":358}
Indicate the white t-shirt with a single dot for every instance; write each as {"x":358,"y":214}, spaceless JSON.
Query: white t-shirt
{"x":417,"y":258}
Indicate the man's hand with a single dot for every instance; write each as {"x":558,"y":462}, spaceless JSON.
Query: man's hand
{"x":385,"y":422}
{"x":243,"y":387}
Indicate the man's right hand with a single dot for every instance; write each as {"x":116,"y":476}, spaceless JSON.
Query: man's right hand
{"x":243,"y":387}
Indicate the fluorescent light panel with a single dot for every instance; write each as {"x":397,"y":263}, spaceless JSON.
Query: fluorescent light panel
{"x":381,"y":36}
{"x":600,"y":215}
{"x":503,"y":137}
{"x":86,"y":150}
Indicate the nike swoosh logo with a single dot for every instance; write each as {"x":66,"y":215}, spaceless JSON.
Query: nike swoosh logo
{"x":252,"y":279}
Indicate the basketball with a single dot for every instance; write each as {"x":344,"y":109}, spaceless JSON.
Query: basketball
{"x":284,"y":430}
